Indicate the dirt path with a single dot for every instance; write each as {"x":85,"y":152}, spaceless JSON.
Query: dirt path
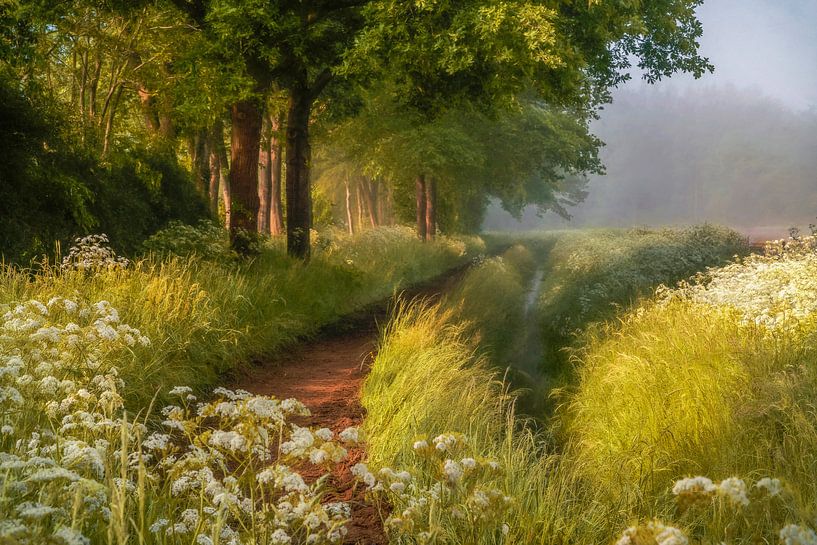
{"x":327,"y":374}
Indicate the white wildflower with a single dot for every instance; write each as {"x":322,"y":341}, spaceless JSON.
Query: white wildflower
{"x":350,"y":435}
{"x":793,"y":534}
{"x":70,"y":536}
{"x":453,"y":471}
{"x":771,"y":486}
{"x":735,"y":490}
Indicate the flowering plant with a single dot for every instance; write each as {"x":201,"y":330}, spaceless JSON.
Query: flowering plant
{"x":75,"y":468}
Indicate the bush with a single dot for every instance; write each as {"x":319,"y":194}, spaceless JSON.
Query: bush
{"x":52,"y":189}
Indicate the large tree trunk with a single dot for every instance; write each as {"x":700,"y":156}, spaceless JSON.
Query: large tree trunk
{"x":299,"y":200}
{"x":265,"y":177}
{"x":244,"y":144}
{"x":420,"y":194}
{"x":431,"y":208}
{"x":277,"y":149}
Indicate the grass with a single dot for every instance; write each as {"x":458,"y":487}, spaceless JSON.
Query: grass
{"x":84,"y":455}
{"x":594,"y":274}
{"x":673,"y":387}
{"x":205,"y":316}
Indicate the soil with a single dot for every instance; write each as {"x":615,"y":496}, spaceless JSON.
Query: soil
{"x":326,"y":374}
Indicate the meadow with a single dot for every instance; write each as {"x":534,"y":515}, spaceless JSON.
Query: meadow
{"x":102,"y":439}
{"x":671,"y":400}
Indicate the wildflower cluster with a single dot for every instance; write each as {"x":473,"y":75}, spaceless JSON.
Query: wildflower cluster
{"x":60,"y":408}
{"x":450,"y":489}
{"x":652,"y":533}
{"x":75,"y":469}
{"x":776,"y":291}
{"x":793,"y":534}
{"x":697,"y":490}
{"x":92,"y":253}
{"x":229,"y":465}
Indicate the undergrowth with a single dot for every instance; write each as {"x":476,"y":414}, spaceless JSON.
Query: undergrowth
{"x":206,"y":313}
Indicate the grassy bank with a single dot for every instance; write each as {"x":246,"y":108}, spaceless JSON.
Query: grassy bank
{"x":689,"y":419}
{"x":716,"y":379}
{"x":593,"y":274}
{"x":206,"y":313}
{"x":86,"y":453}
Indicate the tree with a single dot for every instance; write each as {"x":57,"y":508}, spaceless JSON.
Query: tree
{"x":524,"y":155}
{"x":292,"y":46}
{"x":485,"y":55}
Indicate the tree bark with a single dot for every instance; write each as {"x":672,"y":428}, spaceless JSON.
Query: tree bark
{"x":276,"y":209}
{"x":431,"y":208}
{"x":299,"y":199}
{"x":106,"y":142}
{"x":370,"y":192}
{"x":360,"y":205}
{"x":224,"y":170}
{"x":420,"y":194}
{"x":149,"y":111}
{"x":265,"y":177}
{"x":244,"y":144}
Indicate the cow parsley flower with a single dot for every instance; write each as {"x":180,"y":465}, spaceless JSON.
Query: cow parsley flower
{"x":735,"y":490}
{"x":771,"y":486}
{"x":793,"y":534}
{"x":453,"y":471}
{"x":350,"y":435}
{"x":70,"y":536}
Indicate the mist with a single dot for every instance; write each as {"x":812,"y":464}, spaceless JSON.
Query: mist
{"x":737,"y":147}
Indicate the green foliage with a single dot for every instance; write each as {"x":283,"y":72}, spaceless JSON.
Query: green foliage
{"x":593,"y":273}
{"x":525,"y":155}
{"x":52,"y":189}
{"x":206,"y":240}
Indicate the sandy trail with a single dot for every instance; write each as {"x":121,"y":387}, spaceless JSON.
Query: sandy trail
{"x":326,"y":374}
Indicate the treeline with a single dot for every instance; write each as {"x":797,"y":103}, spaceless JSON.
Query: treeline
{"x":416,"y":111}
{"x":713,"y":154}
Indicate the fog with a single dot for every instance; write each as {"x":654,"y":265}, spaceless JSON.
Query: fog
{"x":738,"y":147}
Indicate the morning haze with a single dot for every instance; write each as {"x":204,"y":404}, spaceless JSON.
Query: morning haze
{"x":737,"y":147}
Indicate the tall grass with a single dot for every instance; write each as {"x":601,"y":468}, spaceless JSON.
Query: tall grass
{"x":593,"y":274}
{"x":207,"y":316}
{"x":681,"y":385}
{"x":428,"y":379}
{"x":491,"y":300}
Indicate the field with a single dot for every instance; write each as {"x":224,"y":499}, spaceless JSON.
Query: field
{"x":604,"y":386}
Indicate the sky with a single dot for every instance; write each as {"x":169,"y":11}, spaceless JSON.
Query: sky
{"x":768,"y":46}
